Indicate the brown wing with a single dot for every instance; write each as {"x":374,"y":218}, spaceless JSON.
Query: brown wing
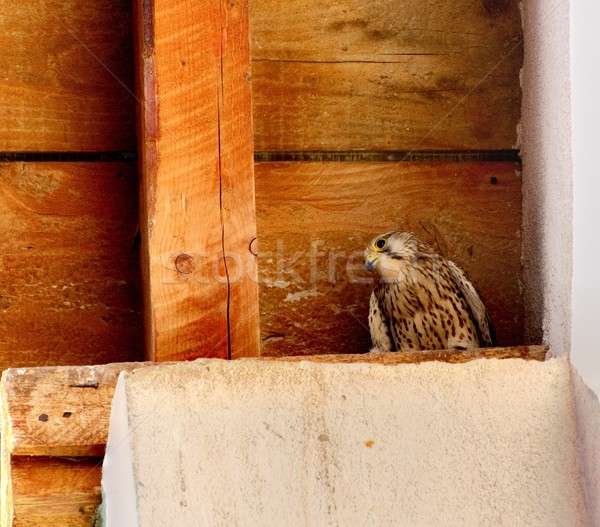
{"x":379,"y":326}
{"x":487,"y":336}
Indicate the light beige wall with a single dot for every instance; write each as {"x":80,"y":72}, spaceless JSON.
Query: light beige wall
{"x":242,"y":443}
{"x":587,"y":415}
{"x":585,"y":77}
{"x":547,"y":173}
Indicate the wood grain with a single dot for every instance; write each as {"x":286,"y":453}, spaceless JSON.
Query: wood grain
{"x":59,"y":411}
{"x":55,"y":424}
{"x":315,"y":219}
{"x":56,"y":492}
{"x":69,"y":286}
{"x":67,"y":76}
{"x":385,"y":75}
{"x":237,"y":181}
{"x":197,"y":185}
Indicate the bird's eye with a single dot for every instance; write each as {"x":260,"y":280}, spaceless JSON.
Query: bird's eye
{"x":380,"y":244}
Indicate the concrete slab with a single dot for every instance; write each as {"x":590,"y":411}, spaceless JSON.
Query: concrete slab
{"x":244,"y":443}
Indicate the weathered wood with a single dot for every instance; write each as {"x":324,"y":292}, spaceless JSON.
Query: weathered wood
{"x":197,"y":184}
{"x":388,"y":156}
{"x":315,"y":219}
{"x":237,"y":181}
{"x":6,"y":490}
{"x":406,"y":357}
{"x":54,"y":432}
{"x":67,"y":76}
{"x":385,"y":75}
{"x":56,"y":492}
{"x":59,"y":411}
{"x":69,"y":286}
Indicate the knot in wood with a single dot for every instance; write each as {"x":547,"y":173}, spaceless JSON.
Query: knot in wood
{"x":184,"y":264}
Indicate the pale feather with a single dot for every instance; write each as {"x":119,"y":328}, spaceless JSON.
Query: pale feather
{"x":379,"y":326}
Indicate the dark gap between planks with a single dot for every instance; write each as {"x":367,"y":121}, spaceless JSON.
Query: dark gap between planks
{"x":395,"y":156}
{"x":65,"y":157}
{"x":392,"y":156}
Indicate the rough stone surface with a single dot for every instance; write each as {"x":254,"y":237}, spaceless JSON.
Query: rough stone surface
{"x":242,"y":443}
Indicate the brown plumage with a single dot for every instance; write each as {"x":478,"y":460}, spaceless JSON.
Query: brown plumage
{"x":422,"y":301}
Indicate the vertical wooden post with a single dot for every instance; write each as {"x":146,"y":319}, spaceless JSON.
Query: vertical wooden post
{"x":197,"y":195}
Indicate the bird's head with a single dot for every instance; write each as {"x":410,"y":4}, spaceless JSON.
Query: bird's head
{"x":394,"y":256}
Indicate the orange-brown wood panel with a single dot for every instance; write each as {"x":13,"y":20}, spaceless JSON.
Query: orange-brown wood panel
{"x":55,"y":424}
{"x":237,"y":182}
{"x":59,"y":411}
{"x":315,"y":219}
{"x":67,"y":76}
{"x":197,"y":184}
{"x":69,"y":287}
{"x":55,"y":492}
{"x":387,"y":75}
{"x":538,"y":353}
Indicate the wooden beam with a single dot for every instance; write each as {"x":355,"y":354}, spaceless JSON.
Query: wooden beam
{"x":315,"y":219}
{"x":59,"y":411}
{"x":67,"y":76}
{"x":55,"y":491}
{"x":197,"y":179}
{"x":69,"y":279}
{"x":54,"y":432}
{"x":416,"y":357}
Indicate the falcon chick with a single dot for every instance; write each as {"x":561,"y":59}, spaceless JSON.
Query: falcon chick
{"x":422,"y":300}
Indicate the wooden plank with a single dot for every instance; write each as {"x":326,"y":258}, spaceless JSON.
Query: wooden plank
{"x":59,"y":411}
{"x":6,"y":490}
{"x":385,"y":75}
{"x":54,"y":430}
{"x":67,"y":76}
{"x":237,"y":182}
{"x":416,"y":357}
{"x":315,"y":219}
{"x":56,"y":492}
{"x":197,"y":184}
{"x":69,"y":289}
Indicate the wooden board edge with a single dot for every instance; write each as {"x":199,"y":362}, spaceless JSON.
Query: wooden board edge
{"x":536,"y":353}
{"x":147,"y":136}
{"x":6,"y":495}
{"x":97,"y":381}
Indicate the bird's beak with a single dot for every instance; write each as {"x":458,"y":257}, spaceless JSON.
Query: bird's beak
{"x":370,"y":262}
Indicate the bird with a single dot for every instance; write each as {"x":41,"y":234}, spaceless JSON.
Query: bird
{"x":422,"y":301}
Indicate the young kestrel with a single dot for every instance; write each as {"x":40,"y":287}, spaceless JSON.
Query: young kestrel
{"x":422,"y":300}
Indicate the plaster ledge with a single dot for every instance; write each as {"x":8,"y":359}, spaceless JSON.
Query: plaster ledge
{"x":489,"y":442}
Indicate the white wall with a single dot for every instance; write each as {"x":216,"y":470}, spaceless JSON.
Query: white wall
{"x":585,"y":58}
{"x":547,"y":168}
{"x":561,"y":181}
